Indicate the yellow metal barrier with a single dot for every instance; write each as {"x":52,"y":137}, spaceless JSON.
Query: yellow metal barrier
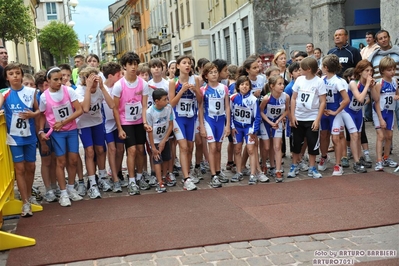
{"x":8,"y":204}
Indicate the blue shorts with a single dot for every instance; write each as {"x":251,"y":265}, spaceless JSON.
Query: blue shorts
{"x":49,"y":144}
{"x":25,"y":153}
{"x":113,"y":137}
{"x":94,"y":135}
{"x":353,"y":121}
{"x":65,"y":141}
{"x":387,"y":115}
{"x":166,"y":154}
{"x":214,"y":128}
{"x":241,"y":134}
{"x":274,"y":133}
{"x":184,"y":128}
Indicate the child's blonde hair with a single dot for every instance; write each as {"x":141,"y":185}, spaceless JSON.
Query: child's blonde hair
{"x":143,"y":68}
{"x":386,"y":63}
{"x":85,"y":72}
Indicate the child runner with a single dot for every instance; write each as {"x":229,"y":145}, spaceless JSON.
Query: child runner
{"x":91,"y":94}
{"x":20,"y":107}
{"x":331,"y":122}
{"x":160,"y":119}
{"x":48,"y":162}
{"x":245,"y":121}
{"x":144,"y":72}
{"x":131,"y":99}
{"x":274,"y":108}
{"x":385,"y":93}
{"x":115,"y":147}
{"x":60,"y":108}
{"x":308,"y":102}
{"x":215,"y":124}
{"x":353,"y":113}
{"x":183,"y":92}
{"x":28,"y":81}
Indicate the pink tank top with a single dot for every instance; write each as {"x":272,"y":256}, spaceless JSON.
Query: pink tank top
{"x":58,"y":111}
{"x":130,"y":107}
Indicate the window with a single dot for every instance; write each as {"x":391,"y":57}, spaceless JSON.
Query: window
{"x":245,"y":27}
{"x":51,"y":11}
{"x":235,"y":41}
{"x":147,"y":4}
{"x":188,"y":12}
{"x":214,"y":46}
{"x":182,"y":15}
{"x":226,"y":33}
{"x":171,"y":24}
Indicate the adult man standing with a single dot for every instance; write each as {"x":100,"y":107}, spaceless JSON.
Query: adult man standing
{"x":310,"y":49}
{"x":79,"y":60}
{"x":371,"y":45}
{"x":348,"y":55}
{"x":385,"y":49}
{"x":3,"y":64}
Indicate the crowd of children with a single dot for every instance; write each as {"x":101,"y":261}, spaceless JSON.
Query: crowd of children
{"x":146,"y":110}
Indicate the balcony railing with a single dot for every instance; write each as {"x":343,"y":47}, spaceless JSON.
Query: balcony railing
{"x":153,"y":35}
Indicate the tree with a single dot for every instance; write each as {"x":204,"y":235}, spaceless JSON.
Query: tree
{"x":16,"y":22}
{"x":59,"y":39}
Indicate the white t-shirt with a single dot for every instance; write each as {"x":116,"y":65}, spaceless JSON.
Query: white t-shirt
{"x":163,"y":84}
{"x":307,"y":101}
{"x":258,"y":84}
{"x":159,"y":121}
{"x":110,"y":124}
{"x":56,"y":96}
{"x":94,"y":117}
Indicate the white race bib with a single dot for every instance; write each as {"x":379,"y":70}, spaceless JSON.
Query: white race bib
{"x":95,"y":109}
{"x":387,"y":102}
{"x":355,"y":105}
{"x":274,"y":111}
{"x":306,"y":99}
{"x":62,"y":112}
{"x":330,"y":94}
{"x":185,"y":108}
{"x":216,"y":107}
{"x":242,"y":115}
{"x":133,"y":111}
{"x":19,"y":127}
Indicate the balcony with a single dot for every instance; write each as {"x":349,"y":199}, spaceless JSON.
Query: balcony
{"x":135,"y":20}
{"x":153,"y":36}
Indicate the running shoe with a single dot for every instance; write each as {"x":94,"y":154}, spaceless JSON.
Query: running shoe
{"x":160,"y":188}
{"x":133,"y":189}
{"x":189,"y":185}
{"x":345,"y":162}
{"x":198,"y":173}
{"x":314,"y":173}
{"x":33,"y":200}
{"x":252,"y":180}
{"x":363,"y":162}
{"x":152,"y":181}
{"x":64,"y":201}
{"x":359,"y":168}
{"x":262,"y":177}
{"x":293,"y":171}
{"x":170,"y":180}
{"x":50,"y":196}
{"x":246,"y":171}
{"x":73,"y":195}
{"x":26,"y":210}
{"x":389,"y":163}
{"x":94,"y":193}
{"x":229,"y":166}
{"x":338,"y":171}
{"x":177,"y":164}
{"x":223,"y":178}
{"x":143,"y":185}
{"x":103,"y":184}
{"x":193,"y":177}
{"x":379,"y":166}
{"x":215,"y":182}
{"x":302,"y":166}
{"x":322,"y":166}
{"x":117,"y":188}
{"x":367,"y":158}
{"x":237,"y":177}
{"x":279,"y":177}
{"x":37,"y":194}
{"x":81,"y":189}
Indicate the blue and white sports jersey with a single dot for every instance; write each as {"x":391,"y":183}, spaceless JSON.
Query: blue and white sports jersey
{"x":334,"y":86}
{"x":387,"y":94}
{"x":19,"y":131}
{"x":186,"y":107}
{"x":245,"y":112}
{"x":275,"y":107}
{"x":214,"y":99}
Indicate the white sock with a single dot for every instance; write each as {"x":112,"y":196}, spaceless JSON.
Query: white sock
{"x":70,"y":187}
{"x":92,"y":180}
{"x":139,"y":176}
{"x":102,"y":173}
{"x":132,"y":180}
{"x":64,"y":193}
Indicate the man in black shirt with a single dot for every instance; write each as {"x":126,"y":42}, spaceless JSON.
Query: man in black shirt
{"x":3,"y":63}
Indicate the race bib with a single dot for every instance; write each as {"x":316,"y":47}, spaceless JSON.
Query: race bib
{"x":95,"y":109}
{"x":274,"y":111}
{"x":242,"y":115}
{"x":216,"y":106}
{"x":19,"y":127}
{"x":185,"y":108}
{"x":160,"y":130}
{"x":387,"y":101}
{"x":133,"y":111}
{"x":355,"y":105}
{"x":306,"y":99}
{"x":330,"y":94}
{"x":62,"y":112}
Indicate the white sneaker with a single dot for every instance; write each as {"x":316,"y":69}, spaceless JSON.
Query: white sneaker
{"x":82,"y":189}
{"x":94,"y":193}
{"x":103,"y":183}
{"x":379,"y":167}
{"x":262,"y":177}
{"x":50,"y":196}
{"x":337,"y":170}
{"x":189,"y":185}
{"x":302,"y":166}
{"x":322,"y":166}
{"x":64,"y":201}
{"x":73,"y":195}
{"x":32,"y":200}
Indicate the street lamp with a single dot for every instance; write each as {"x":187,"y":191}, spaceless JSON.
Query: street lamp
{"x":67,"y":4}
{"x":87,"y":43}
